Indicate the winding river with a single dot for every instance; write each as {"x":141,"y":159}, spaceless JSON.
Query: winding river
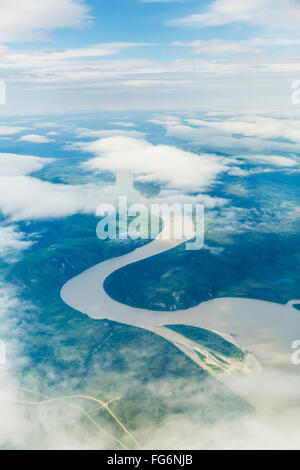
{"x":266,"y":329}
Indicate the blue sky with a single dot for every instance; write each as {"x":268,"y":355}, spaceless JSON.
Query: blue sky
{"x":131,"y":20}
{"x":143,"y":22}
{"x":74,"y":55}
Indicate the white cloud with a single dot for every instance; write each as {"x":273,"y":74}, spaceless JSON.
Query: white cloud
{"x":168,"y":196}
{"x":122,"y":124}
{"x":25,"y":197}
{"x":31,"y":20}
{"x":35,"y":138}
{"x":40,"y":58}
{"x":12,"y":242}
{"x":281,"y":40}
{"x":63,"y":67}
{"x":37,"y":79}
{"x":217,"y":47}
{"x":177,"y":170}
{"x":52,"y":133}
{"x":37,"y":199}
{"x":11,"y":130}
{"x":91,"y":133}
{"x":43,"y":125}
{"x":210,"y":138}
{"x":255,"y":126}
{"x":273,"y":160}
{"x":273,"y":14}
{"x":20,"y":165}
{"x":161,"y":163}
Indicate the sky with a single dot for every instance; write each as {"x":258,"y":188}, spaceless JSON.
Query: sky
{"x":82,"y":55}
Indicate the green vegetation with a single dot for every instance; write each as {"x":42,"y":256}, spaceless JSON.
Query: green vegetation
{"x":219,"y":358}
{"x":209,"y":340}
{"x":214,"y":367}
{"x":202,"y":357}
{"x":180,"y":279}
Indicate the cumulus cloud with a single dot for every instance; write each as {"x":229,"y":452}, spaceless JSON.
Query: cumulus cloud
{"x":168,"y":165}
{"x":37,"y":199}
{"x":26,"y":197}
{"x":31,"y":20}
{"x":20,"y":165}
{"x":177,"y":170}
